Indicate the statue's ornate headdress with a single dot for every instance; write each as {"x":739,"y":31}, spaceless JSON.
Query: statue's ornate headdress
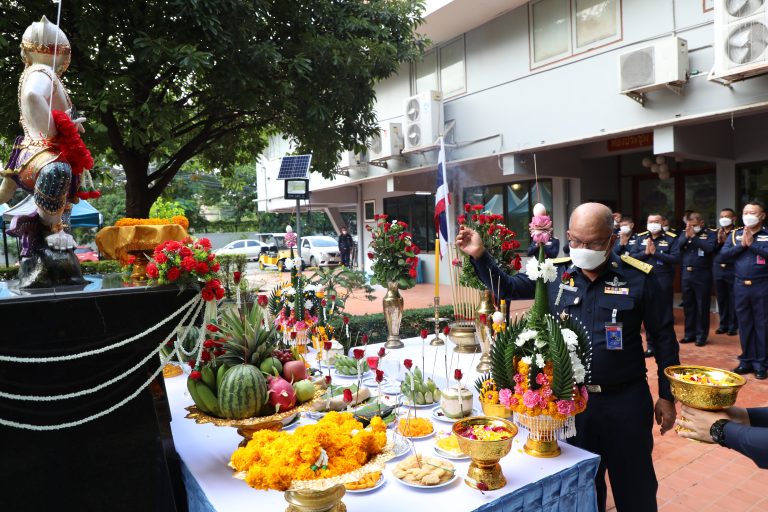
{"x":41,"y":41}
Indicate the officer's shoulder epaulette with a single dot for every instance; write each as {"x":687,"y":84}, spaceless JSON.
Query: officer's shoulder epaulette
{"x":639,"y":265}
{"x":643,"y":233}
{"x":713,"y":230}
{"x":560,"y":261}
{"x":672,"y":234}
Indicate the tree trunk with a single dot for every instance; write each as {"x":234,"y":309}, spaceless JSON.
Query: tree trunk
{"x":138,"y":197}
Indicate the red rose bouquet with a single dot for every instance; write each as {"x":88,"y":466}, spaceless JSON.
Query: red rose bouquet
{"x":393,"y":253}
{"x":499,"y":242}
{"x":186,"y":262}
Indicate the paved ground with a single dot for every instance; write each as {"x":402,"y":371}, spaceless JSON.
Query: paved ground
{"x":692,"y":476}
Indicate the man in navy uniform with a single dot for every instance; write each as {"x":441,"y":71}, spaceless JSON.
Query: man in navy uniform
{"x":551,"y":248}
{"x":722,"y":272}
{"x":697,"y":245}
{"x":617,"y":293}
{"x":747,"y":248}
{"x":660,"y":250}
{"x":627,"y":237}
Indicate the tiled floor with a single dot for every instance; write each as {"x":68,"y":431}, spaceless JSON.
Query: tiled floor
{"x":692,"y":476}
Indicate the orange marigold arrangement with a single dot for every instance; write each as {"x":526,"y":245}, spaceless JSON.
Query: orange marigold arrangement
{"x":335,"y":445}
{"x":181,"y":220}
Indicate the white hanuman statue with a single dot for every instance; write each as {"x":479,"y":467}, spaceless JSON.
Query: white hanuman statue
{"x":48,"y":160}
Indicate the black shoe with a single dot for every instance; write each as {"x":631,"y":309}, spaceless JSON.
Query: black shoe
{"x":760,"y":375}
{"x":649,"y":353}
{"x":686,"y":340}
{"x":742,"y":370}
{"x":732,"y":333}
{"x":700,"y":343}
{"x":719,"y":331}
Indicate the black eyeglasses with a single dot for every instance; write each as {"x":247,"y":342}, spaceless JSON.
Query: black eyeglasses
{"x":595,"y":245}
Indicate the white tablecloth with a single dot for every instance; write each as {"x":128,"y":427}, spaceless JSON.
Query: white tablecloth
{"x":205,"y":452}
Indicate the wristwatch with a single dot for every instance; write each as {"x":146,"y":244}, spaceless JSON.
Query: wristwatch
{"x":717,"y":431}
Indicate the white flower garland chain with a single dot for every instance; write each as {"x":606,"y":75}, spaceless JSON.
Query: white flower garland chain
{"x":61,"y":426}
{"x":88,"y":353}
{"x":75,"y":394}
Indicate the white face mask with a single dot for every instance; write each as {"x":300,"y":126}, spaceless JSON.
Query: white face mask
{"x":750,"y":220}
{"x":665,"y":228}
{"x":625,"y":230}
{"x":654,"y":227}
{"x":587,"y":259}
{"x":725,"y":222}
{"x":696,"y":229}
{"x":615,"y":224}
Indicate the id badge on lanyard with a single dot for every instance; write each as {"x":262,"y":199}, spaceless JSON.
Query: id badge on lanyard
{"x":614,"y":339}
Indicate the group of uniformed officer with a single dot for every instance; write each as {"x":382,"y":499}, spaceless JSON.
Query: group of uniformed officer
{"x":730,"y":258}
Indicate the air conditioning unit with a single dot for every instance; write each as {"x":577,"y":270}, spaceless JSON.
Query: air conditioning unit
{"x":350,"y":159}
{"x":654,"y":66}
{"x":741,"y":39}
{"x":423,"y":116}
{"x":387,"y":143}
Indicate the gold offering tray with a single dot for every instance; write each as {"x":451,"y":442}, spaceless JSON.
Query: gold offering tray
{"x":699,"y":395}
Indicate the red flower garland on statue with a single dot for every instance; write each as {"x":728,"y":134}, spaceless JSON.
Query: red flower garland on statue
{"x":70,"y":144}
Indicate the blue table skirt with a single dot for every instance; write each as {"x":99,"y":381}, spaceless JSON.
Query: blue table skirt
{"x":571,"y":490}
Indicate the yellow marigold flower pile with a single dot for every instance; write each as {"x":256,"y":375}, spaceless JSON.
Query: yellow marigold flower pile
{"x":273,"y":460}
{"x":176,"y":219}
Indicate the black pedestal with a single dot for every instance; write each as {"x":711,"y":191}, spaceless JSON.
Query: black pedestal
{"x":113,"y":463}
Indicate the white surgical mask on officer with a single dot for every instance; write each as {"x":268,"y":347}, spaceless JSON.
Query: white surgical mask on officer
{"x":587,"y":259}
{"x":665,"y":228}
{"x":654,"y":227}
{"x":750,"y":220}
{"x":625,"y":230}
{"x":696,"y":229}
{"x":725,"y":222}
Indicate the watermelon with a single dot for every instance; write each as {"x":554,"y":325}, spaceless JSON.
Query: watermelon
{"x":243,"y":392}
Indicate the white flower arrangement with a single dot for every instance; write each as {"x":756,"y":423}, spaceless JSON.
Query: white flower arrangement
{"x":524,"y":336}
{"x":545,"y":270}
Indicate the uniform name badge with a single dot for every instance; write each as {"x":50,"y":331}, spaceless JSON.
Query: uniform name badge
{"x":613,"y":336}
{"x":614,"y":339}
{"x":760,"y":260}
{"x":701,"y":253}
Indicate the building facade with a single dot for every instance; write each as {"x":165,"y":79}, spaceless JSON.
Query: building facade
{"x":532,"y":110}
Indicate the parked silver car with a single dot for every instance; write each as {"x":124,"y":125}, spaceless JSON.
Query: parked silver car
{"x":319,"y":251}
{"x":251,"y":248}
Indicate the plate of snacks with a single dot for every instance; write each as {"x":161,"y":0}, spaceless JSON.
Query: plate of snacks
{"x":424,"y":473}
{"x":447,"y":446}
{"x":368,"y":483}
{"x":415,"y":428}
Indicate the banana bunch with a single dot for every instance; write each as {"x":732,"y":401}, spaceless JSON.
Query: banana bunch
{"x":416,"y":390}
{"x":348,"y":365}
{"x":204,"y":391}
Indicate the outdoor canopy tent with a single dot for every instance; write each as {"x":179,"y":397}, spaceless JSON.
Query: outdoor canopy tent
{"x":83,"y":216}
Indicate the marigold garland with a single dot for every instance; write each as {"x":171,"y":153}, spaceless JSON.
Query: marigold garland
{"x":181,"y":220}
{"x":273,"y":460}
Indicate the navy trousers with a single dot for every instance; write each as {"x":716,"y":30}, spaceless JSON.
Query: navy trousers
{"x":697,"y":299}
{"x":752,"y":317}
{"x":618,"y":427}
{"x":726,"y":305}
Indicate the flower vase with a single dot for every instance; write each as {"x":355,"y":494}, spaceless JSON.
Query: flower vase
{"x":328,"y":500}
{"x":393,"y":315}
{"x":543,"y":433}
{"x":485,"y":309}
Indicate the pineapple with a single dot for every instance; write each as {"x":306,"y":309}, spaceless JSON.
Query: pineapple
{"x":250,"y":340}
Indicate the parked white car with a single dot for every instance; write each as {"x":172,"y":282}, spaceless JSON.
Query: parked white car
{"x":319,"y":251}
{"x":251,"y":248}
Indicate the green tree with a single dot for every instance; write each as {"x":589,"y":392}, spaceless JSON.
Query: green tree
{"x":166,"y":81}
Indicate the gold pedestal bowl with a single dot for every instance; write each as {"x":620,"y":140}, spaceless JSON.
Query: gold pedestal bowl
{"x":498,"y":410}
{"x":306,"y":500}
{"x":703,"y":387}
{"x":542,"y":435}
{"x":485,"y":455}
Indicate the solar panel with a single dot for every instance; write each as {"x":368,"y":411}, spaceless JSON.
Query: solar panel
{"x":294,"y":166}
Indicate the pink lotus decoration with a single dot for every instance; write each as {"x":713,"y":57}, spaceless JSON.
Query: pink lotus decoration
{"x":541,"y":229}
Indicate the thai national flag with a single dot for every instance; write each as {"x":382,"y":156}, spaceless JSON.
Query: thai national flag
{"x":442,"y":200}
